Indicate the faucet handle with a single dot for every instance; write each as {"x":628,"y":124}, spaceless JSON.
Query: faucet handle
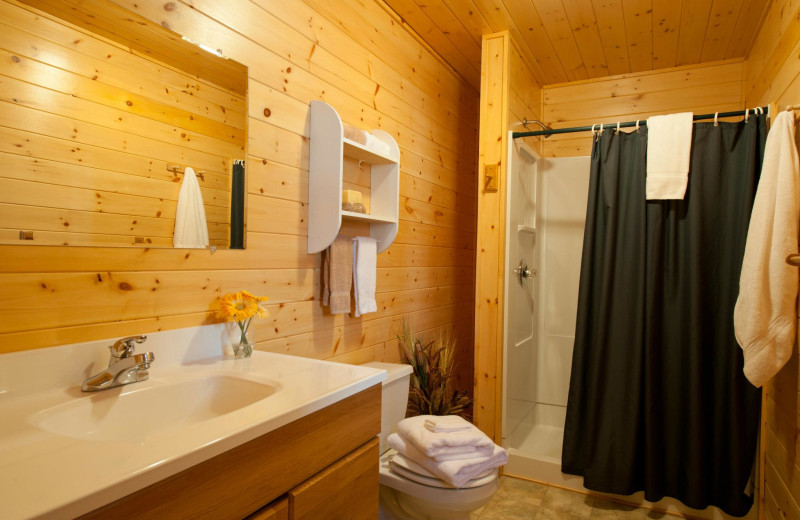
{"x":124,"y":347}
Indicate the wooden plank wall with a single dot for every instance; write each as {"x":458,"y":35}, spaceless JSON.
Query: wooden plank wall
{"x":509,"y":94}
{"x":363,"y":61}
{"x":524,"y":97}
{"x":700,"y":89}
{"x":87,"y":128}
{"x":772,"y":74}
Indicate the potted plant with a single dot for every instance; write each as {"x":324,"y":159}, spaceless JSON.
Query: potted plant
{"x":432,"y":365}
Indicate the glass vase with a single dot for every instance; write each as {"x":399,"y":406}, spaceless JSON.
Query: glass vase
{"x":244,"y":348}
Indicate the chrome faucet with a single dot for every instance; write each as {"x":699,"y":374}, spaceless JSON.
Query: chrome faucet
{"x":124,"y":366}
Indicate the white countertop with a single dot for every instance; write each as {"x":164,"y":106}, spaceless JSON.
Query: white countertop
{"x":48,"y":475}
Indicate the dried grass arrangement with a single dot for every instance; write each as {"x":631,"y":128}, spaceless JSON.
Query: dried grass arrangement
{"x":432,"y":367}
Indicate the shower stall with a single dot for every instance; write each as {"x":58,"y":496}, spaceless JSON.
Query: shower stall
{"x":546,"y":213}
{"x":545,"y":219}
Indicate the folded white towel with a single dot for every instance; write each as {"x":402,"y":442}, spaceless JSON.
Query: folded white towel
{"x":455,"y":472}
{"x":409,"y":465}
{"x":447,"y":423}
{"x":365,"y":272}
{"x":445,"y":446}
{"x":669,"y":149}
{"x":191,"y":229}
{"x":764,"y":317}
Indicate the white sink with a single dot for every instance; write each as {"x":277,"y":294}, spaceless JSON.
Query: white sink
{"x":136,"y":411}
{"x":64,"y":453}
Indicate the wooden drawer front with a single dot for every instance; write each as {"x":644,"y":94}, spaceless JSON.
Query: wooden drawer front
{"x":238,"y":482}
{"x":347,"y":490}
{"x":278,"y":510}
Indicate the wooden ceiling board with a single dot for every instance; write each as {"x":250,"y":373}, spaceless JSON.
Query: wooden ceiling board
{"x":694,"y":21}
{"x":536,"y":42}
{"x":573,"y":40}
{"x":744,"y":32}
{"x":555,"y":22}
{"x":583,"y":21}
{"x":611,"y":26}
{"x":666,"y":25}
{"x":470,"y":17}
{"x":639,"y":33}
{"x":724,"y":14}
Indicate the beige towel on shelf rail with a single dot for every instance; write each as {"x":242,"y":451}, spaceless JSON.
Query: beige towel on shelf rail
{"x":338,"y":275}
{"x":764,"y":316}
{"x":191,"y":229}
{"x":669,"y":150}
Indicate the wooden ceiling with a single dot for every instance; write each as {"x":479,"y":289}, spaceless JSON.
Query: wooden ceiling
{"x":569,"y":40}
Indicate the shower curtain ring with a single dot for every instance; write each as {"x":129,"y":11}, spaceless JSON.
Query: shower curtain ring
{"x":594,"y":132}
{"x":746,"y":115}
{"x":601,"y":128}
{"x":617,"y":127}
{"x":716,"y":115}
{"x":637,"y":126}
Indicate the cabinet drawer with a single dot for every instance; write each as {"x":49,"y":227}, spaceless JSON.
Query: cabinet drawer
{"x":277,"y":510}
{"x":347,"y":490}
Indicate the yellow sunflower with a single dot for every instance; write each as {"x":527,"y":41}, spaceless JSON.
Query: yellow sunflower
{"x":240,"y":306}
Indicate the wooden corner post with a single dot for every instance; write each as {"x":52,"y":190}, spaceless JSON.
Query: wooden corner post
{"x":490,"y":261}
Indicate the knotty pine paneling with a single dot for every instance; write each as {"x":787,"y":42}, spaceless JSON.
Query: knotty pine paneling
{"x":772,"y":75}
{"x":88,"y":129}
{"x":701,"y":89}
{"x":362,"y":60}
{"x":510,"y":94}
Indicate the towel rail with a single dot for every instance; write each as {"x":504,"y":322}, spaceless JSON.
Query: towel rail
{"x":177,"y":168}
{"x":793,"y":260}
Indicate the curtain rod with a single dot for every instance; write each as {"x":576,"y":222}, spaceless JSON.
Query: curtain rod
{"x":626,"y":124}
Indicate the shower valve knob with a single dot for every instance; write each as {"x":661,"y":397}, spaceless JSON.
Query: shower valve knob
{"x":523,"y":273}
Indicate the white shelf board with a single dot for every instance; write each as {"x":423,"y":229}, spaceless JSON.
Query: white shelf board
{"x":360,"y":152}
{"x":365,"y":217}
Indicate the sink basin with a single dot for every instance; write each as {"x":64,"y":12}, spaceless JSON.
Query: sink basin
{"x":134,"y":413}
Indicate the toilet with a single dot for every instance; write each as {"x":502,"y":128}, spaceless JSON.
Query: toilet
{"x":411,"y":496}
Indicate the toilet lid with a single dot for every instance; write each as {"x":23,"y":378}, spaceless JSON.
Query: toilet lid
{"x":398,"y":466}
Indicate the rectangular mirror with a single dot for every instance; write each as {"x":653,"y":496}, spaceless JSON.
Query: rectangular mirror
{"x":101,"y":113}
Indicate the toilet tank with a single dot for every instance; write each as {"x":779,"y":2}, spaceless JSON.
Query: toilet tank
{"x":394,"y":397}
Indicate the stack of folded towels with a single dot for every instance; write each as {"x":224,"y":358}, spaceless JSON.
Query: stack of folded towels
{"x":444,"y":447}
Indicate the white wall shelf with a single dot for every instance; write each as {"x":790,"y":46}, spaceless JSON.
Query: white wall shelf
{"x":328,"y":147}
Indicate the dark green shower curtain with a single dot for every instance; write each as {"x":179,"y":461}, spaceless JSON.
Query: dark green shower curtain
{"x":657,"y":400}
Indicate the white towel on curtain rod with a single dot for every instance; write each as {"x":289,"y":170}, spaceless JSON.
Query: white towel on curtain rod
{"x":669,"y":149}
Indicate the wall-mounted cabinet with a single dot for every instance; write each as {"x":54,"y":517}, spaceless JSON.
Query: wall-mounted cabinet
{"x":328,"y":149}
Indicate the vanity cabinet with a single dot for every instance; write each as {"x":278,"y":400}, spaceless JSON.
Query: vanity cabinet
{"x":323,"y":465}
{"x":348,"y":489}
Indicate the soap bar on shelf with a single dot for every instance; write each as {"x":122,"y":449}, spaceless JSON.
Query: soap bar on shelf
{"x":351,"y":197}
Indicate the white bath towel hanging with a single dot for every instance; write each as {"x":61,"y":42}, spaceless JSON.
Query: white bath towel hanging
{"x":669,"y":149}
{"x":191,"y":229}
{"x":365,"y":273}
{"x":764,"y":316}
